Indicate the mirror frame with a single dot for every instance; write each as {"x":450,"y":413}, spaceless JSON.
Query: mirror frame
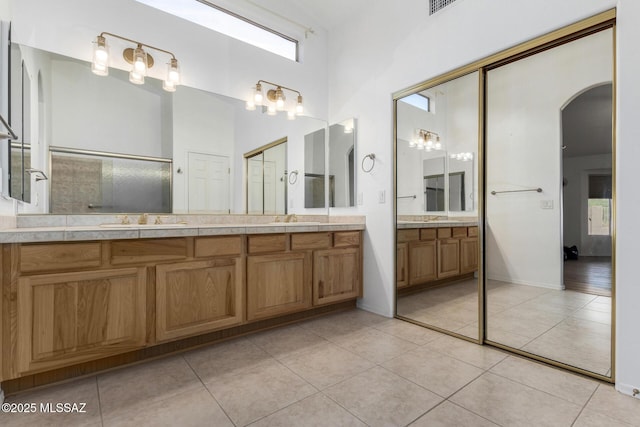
{"x":563,"y":35}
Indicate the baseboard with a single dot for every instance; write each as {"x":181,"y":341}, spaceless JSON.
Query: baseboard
{"x":628,"y":390}
{"x":526,"y":283}
{"x":375,"y":310}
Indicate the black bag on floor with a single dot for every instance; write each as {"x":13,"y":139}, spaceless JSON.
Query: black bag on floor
{"x":571,"y":252}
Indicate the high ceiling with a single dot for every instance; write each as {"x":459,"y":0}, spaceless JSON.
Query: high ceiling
{"x":586,"y":123}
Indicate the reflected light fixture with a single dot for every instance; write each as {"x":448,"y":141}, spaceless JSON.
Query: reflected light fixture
{"x":426,"y":140}
{"x":275,"y":100}
{"x":464,"y":157}
{"x":139,"y":59}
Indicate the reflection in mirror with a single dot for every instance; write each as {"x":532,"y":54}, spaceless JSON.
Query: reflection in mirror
{"x":267,"y":179}
{"x":437,"y":264}
{"x":20,"y":121}
{"x":536,"y":301}
{"x":342,"y":137}
{"x":314,"y":167}
{"x":202,"y":134}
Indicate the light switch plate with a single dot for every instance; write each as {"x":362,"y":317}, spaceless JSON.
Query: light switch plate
{"x":546,"y":204}
{"x":381,"y":196}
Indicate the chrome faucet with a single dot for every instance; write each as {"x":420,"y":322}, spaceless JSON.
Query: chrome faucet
{"x":143,"y":219}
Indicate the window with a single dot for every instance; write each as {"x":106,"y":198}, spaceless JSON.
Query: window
{"x":215,"y":18}
{"x":419,"y":101}
{"x":599,"y":205}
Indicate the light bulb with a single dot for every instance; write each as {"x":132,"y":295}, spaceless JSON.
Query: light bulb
{"x":279,"y":99}
{"x":140,"y":61}
{"x":250,"y":105}
{"x":412,"y":143}
{"x":271,"y":110}
{"x":168,"y":86}
{"x":100,"y":64}
{"x":173,"y":72}
{"x":291,"y":115}
{"x":437,"y":145}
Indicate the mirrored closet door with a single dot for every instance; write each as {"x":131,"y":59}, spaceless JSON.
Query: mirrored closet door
{"x":549,"y":203}
{"x":436,"y":201}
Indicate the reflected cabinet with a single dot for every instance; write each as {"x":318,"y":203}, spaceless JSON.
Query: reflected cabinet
{"x":505,"y":199}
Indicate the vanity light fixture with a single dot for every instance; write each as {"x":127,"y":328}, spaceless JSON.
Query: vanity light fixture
{"x":465,"y":157}
{"x":276,"y":100}
{"x":426,"y":140}
{"x":139,"y":59}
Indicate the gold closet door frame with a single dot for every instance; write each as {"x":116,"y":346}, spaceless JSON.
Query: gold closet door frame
{"x":585,"y":27}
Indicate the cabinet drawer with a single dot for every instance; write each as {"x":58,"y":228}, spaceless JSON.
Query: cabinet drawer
{"x":428,"y":233}
{"x":218,"y":246}
{"x":59,"y":256}
{"x":310,"y":241}
{"x":444,"y":233}
{"x":459,"y":231}
{"x":472,"y":231}
{"x":267,"y":243}
{"x":408,"y":235}
{"x":346,"y":238}
{"x":144,"y":251}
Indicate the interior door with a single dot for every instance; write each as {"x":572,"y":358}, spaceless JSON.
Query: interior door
{"x":208,"y":183}
{"x":527,"y":305}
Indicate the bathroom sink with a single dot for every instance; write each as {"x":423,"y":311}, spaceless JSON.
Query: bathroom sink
{"x":136,"y":225}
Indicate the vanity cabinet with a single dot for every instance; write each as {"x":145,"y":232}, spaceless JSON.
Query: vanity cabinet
{"x":432,"y":255}
{"x":66,"y":318}
{"x":197,"y":297}
{"x":337,"y":269}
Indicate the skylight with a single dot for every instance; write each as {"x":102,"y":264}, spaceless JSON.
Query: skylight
{"x":223,"y":21}
{"x":419,"y":101}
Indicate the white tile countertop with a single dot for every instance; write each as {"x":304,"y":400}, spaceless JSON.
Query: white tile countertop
{"x":49,"y":228}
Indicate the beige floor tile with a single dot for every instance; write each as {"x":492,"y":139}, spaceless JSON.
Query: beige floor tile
{"x":602,"y":305}
{"x":590,"y":418}
{"x":80,"y":391}
{"x":448,"y":414}
{"x":567,"y":386}
{"x":607,"y":401}
{"x":128,"y":389}
{"x":314,"y":411}
{"x":226,"y":357}
{"x":375,"y":345}
{"x":190,"y":409}
{"x":477,"y":355}
{"x":509,"y":403}
{"x":381,"y":398}
{"x":577,"y":342}
{"x":337,"y":325}
{"x":593,"y":315}
{"x":434,"y":371}
{"x":257,"y":391}
{"x":470,"y":331}
{"x":566,"y":298}
{"x":510,"y":294}
{"x":513,"y":324}
{"x":428,"y":317}
{"x":286,"y":341}
{"x":325,"y":365}
{"x":408,"y":331}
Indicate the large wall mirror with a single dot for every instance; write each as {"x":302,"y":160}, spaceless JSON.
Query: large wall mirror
{"x":543,"y":187}
{"x":141,"y":149}
{"x":436,"y":193}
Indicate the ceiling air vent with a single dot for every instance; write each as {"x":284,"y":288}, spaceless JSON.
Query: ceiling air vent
{"x":436,"y":5}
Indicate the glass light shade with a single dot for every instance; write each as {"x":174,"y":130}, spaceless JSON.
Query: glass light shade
{"x":279,"y":99}
{"x":299,"y":106}
{"x":250,"y":105}
{"x":100,"y":63}
{"x":271,"y":110}
{"x":136,"y":78}
{"x":291,"y":115}
{"x":140,"y":61}
{"x":173,"y":72}
{"x":437,"y":145}
{"x":420,"y":147}
{"x":168,"y":86}
{"x":257,"y":94}
{"x":412,"y":143}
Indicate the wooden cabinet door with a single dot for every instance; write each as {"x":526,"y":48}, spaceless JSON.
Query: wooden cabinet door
{"x":422,"y":262}
{"x":402,"y":265}
{"x":468,"y":255}
{"x":448,"y":258}
{"x":199,"y":296}
{"x":278,"y":284}
{"x":336,"y":275}
{"x":68,"y":318}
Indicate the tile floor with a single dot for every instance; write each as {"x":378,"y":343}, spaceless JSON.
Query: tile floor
{"x":567,"y":326}
{"x":346,"y":369}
